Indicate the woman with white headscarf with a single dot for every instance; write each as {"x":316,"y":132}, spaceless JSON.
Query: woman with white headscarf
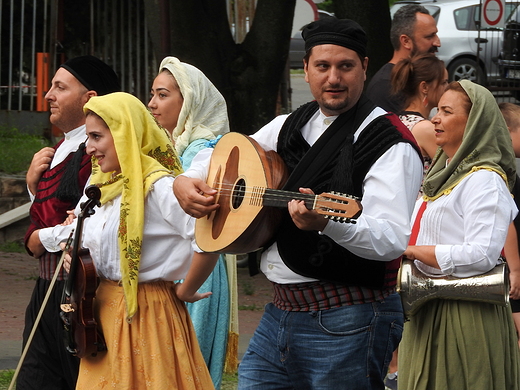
{"x":186,"y":103}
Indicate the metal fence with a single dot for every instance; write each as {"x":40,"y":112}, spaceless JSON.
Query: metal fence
{"x":38,"y":35}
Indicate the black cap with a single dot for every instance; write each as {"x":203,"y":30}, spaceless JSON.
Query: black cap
{"x":341,"y":32}
{"x":94,"y":74}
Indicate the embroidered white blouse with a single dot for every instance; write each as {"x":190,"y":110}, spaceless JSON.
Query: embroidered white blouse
{"x":168,"y":243}
{"x":468,"y":227}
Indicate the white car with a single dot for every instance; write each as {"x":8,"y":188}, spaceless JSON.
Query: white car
{"x":466,"y":52}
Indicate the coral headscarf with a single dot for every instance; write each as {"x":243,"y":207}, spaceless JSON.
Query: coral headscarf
{"x":204,"y":111}
{"x":145,"y":154}
{"x":486,"y":144}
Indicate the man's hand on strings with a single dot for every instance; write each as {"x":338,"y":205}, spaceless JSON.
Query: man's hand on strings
{"x":195,"y":196}
{"x":304,"y":218}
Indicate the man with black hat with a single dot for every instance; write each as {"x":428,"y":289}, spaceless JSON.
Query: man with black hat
{"x":335,"y":318}
{"x":56,"y":179}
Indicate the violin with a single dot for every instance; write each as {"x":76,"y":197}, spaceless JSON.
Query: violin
{"x":82,"y":337}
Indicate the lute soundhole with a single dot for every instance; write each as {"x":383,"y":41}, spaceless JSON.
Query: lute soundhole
{"x":239,"y":191}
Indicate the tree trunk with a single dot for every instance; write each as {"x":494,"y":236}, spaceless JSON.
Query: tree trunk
{"x":247,"y":74}
{"x":374,"y":17}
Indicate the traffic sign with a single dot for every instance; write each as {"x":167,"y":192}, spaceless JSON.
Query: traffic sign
{"x":492,"y":14}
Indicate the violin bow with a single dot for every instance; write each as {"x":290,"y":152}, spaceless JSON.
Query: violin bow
{"x":42,"y":308}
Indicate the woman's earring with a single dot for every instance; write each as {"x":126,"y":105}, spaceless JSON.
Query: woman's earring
{"x":425,"y":101}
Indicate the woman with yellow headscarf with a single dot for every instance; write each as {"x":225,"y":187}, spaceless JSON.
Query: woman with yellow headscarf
{"x":141,"y":241}
{"x":466,"y":211}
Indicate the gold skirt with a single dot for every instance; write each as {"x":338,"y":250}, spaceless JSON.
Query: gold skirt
{"x":158,"y":350}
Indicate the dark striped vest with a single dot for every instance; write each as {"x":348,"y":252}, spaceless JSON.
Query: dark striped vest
{"x":47,"y":210}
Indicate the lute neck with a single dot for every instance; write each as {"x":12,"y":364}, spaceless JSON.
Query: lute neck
{"x":280,"y":198}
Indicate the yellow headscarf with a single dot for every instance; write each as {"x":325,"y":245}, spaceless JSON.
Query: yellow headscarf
{"x":145,"y":154}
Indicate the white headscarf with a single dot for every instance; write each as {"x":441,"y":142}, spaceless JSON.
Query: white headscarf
{"x":204,"y":111}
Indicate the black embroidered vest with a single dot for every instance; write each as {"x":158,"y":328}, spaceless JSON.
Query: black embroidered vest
{"x":342,"y":167}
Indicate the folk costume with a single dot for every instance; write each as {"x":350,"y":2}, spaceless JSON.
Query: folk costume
{"x":334,"y":291}
{"x":203,"y":117}
{"x":47,"y":364}
{"x":455,"y":343}
{"x":141,"y":241}
{"x":329,"y":285}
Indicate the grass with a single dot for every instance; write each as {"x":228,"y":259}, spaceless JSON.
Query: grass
{"x":250,"y":307}
{"x":248,"y":287}
{"x":18,"y":150}
{"x":229,"y":381}
{"x":5,"y":378}
{"x":12,"y":246}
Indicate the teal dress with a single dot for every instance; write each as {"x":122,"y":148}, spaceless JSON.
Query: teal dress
{"x":210,"y":316}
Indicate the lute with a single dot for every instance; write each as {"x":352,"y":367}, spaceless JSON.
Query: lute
{"x":247,"y":180}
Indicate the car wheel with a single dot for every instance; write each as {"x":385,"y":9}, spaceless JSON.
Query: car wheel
{"x":466,"y":69}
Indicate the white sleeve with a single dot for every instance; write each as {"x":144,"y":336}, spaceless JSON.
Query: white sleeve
{"x":267,"y":137}
{"x":52,"y":237}
{"x":390,"y":191}
{"x":488,"y":209}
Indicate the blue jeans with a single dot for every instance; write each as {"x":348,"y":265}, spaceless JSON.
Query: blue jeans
{"x":349,"y":347}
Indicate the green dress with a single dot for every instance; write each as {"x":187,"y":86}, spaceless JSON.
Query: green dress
{"x":452,"y":345}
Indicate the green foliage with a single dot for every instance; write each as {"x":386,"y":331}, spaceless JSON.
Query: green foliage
{"x":5,"y":378}
{"x":327,"y":5}
{"x":13,"y":246}
{"x":18,"y":150}
{"x":229,"y":381}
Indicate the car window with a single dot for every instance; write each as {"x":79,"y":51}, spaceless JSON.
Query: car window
{"x":434,"y":11}
{"x":510,"y":8}
{"x":464,"y":18}
{"x":514,"y":15}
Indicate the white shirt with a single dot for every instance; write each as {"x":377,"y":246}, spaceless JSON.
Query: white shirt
{"x":468,"y":227}
{"x":168,"y":242}
{"x":390,"y":189}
